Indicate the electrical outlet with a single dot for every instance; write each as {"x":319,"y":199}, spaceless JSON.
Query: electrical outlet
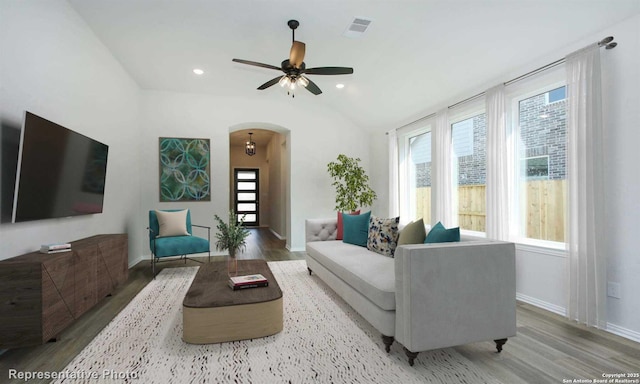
{"x":613,"y":290}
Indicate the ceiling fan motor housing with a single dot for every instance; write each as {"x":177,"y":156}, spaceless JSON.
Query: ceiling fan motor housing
{"x":293,"y":24}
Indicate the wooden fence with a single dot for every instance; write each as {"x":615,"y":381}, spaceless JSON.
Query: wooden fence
{"x":542,"y":202}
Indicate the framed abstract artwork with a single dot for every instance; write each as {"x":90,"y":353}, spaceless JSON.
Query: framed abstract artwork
{"x":184,"y":169}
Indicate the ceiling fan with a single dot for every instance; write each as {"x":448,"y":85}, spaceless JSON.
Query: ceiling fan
{"x":295,"y":69}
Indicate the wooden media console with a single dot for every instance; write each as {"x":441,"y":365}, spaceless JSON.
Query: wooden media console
{"x":41,"y":294}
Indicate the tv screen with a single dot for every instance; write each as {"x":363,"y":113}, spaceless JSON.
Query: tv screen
{"x":61,"y":173}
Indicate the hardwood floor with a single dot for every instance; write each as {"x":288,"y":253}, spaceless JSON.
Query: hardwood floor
{"x":548,"y":349}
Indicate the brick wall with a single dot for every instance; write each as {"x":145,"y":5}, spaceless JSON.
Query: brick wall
{"x":541,"y":136}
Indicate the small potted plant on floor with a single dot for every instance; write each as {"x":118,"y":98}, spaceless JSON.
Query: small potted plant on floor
{"x":351,"y":183}
{"x":232,"y":237}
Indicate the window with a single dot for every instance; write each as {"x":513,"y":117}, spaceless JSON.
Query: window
{"x":469,"y":167}
{"x":556,"y":95}
{"x":420,"y":176}
{"x":535,"y":168}
{"x":246,"y":192}
{"x":541,"y":174}
{"x":415,"y":175}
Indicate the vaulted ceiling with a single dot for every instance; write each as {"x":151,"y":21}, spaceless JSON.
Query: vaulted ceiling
{"x":414,"y":56}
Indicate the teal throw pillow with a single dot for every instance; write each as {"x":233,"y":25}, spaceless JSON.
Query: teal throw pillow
{"x":440,"y":234}
{"x":356,"y":229}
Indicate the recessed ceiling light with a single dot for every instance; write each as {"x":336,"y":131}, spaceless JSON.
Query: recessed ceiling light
{"x":339,"y":86}
{"x":198,"y":71}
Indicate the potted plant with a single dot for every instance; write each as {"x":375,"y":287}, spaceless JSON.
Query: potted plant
{"x":351,"y":183}
{"x":232,"y":237}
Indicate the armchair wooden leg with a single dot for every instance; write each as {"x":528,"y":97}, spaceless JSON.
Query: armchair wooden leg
{"x":411,"y":355}
{"x":499,"y":344}
{"x":309,"y":269}
{"x":387,"y":340}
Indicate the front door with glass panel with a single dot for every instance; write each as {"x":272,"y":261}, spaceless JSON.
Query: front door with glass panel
{"x":246,"y":192}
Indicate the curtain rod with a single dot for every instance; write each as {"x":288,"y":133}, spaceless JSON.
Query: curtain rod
{"x":607,"y":42}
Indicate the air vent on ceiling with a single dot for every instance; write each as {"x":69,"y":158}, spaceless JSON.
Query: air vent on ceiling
{"x":357,"y":27}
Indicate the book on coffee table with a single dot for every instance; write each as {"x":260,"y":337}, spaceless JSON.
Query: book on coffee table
{"x":248,"y":281}
{"x":245,"y":286}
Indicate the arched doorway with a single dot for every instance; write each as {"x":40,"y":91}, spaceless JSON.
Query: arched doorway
{"x":264,"y":176}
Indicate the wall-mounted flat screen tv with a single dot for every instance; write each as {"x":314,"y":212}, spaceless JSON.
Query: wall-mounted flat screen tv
{"x":61,"y":173}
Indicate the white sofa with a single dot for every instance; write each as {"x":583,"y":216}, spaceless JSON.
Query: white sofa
{"x":428,"y":296}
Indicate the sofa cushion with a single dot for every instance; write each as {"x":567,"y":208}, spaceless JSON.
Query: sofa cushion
{"x":178,"y":245}
{"x":356,"y":229}
{"x":383,"y":235}
{"x":440,"y":234}
{"x":413,"y":233}
{"x":369,"y":273}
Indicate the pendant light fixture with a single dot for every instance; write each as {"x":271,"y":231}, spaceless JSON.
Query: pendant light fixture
{"x":250,"y":147}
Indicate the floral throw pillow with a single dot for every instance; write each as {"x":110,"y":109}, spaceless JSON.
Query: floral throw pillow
{"x":383,"y":235}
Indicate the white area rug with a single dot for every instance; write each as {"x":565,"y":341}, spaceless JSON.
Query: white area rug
{"x":323,"y":341}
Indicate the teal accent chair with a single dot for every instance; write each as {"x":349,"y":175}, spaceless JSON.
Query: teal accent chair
{"x":176,"y":245}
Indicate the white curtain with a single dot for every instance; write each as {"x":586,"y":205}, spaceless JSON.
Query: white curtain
{"x":587,"y":261}
{"x":497,"y":224}
{"x":394,"y":180}
{"x":441,"y":201}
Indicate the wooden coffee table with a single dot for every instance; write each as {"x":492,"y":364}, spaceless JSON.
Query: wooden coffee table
{"x":214,"y":313}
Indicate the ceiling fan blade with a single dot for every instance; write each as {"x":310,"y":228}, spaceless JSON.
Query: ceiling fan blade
{"x":313,"y":88}
{"x":329,"y":71}
{"x":255,"y":63}
{"x":296,"y":56}
{"x":270,"y":83}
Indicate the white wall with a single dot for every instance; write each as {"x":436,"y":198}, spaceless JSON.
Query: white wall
{"x":52,"y":65}
{"x":316,"y":137}
{"x":621,"y":85}
{"x":278,"y":177}
{"x":379,"y":173}
{"x":541,"y":273}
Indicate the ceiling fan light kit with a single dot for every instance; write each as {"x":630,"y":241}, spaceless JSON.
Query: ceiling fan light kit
{"x":294,"y":68}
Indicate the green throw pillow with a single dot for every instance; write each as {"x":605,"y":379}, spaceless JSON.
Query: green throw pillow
{"x":439,"y":234}
{"x":412,"y":233}
{"x":356,"y":229}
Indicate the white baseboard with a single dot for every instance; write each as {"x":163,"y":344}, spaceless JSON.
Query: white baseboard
{"x":135,"y":261}
{"x":301,"y":249}
{"x":276,"y":234}
{"x":562,"y":311}
{"x":624,"y":332}
{"x":612,"y":328}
